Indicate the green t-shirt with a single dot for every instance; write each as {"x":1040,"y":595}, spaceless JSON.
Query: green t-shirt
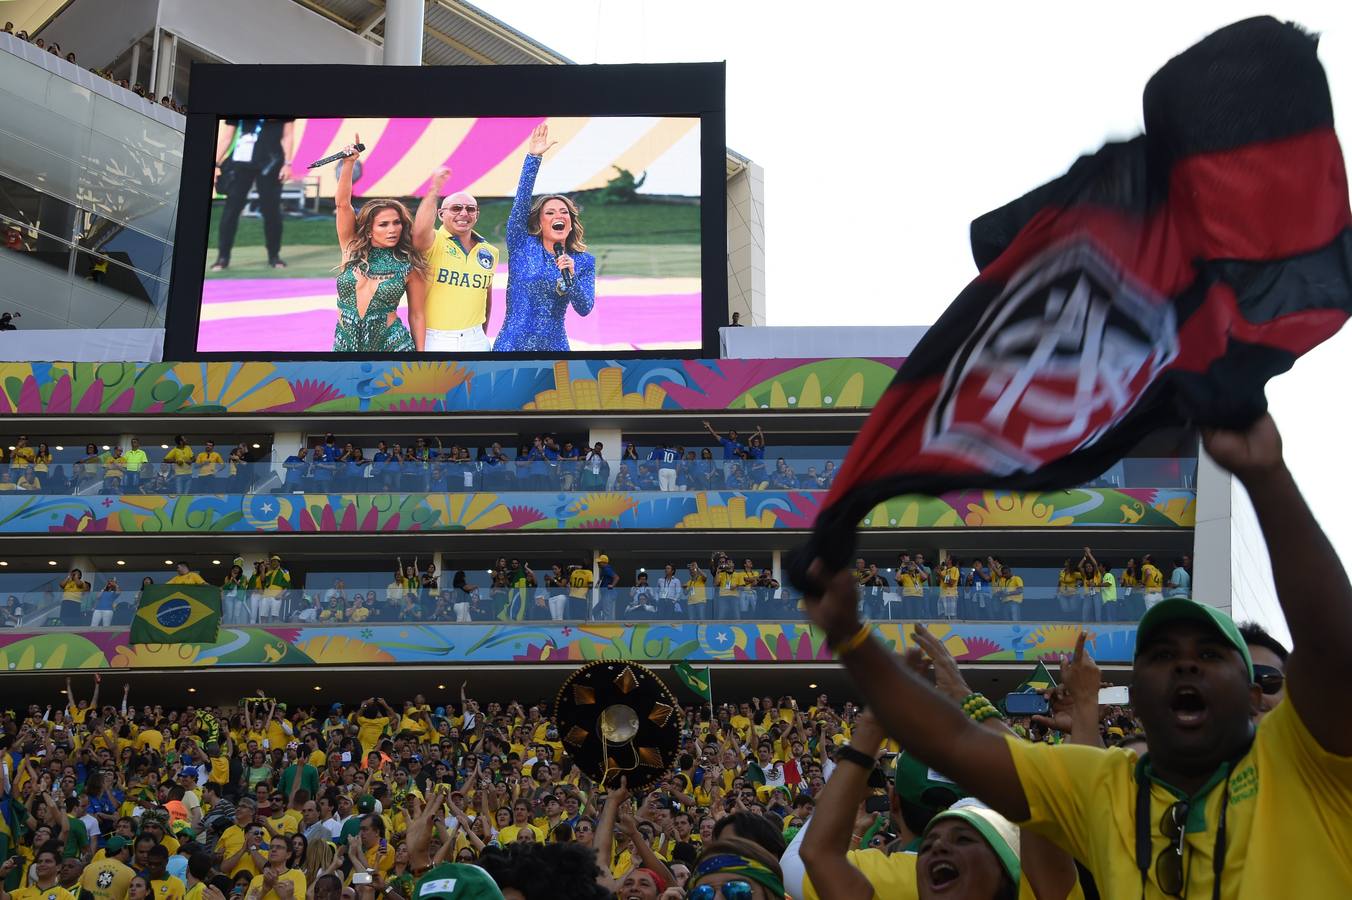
{"x":77,"y":837}
{"x":309,"y":779}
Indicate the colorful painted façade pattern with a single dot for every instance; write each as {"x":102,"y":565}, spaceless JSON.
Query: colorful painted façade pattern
{"x":611,"y":510}
{"x":59,"y":388}
{"x":395,"y":644}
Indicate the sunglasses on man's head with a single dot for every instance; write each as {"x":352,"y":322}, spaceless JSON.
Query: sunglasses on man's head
{"x":1268,"y":678}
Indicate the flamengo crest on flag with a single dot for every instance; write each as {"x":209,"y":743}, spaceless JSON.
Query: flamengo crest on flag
{"x":1057,"y":359}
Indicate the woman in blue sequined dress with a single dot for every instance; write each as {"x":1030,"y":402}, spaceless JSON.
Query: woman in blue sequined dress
{"x":379,"y":266}
{"x":538,"y":293}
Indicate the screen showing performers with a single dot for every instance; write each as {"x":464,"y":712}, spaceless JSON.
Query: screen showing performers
{"x":459,"y":236}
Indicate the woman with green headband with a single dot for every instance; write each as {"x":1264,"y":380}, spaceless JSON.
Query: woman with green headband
{"x":735,"y":869}
{"x":969,"y":852}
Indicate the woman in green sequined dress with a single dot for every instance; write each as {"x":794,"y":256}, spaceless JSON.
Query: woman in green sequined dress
{"x":379,"y":266}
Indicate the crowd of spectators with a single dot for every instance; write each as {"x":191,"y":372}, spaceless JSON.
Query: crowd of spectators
{"x":273,"y":802}
{"x":721,"y":588}
{"x":546,"y":463}
{"x":111,"y":469}
{"x":55,"y":49}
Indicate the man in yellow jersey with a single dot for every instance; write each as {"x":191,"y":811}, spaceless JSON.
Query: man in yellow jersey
{"x":460,"y":266}
{"x":1011,"y":594}
{"x":1152,"y":580}
{"x":696,"y":594}
{"x":163,"y":886}
{"x":107,"y":878}
{"x":46,"y":887}
{"x":580,"y":580}
{"x":1217,"y":807}
{"x":238,"y":848}
{"x":264,"y":885}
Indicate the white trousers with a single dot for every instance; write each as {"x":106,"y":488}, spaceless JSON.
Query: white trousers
{"x":666,"y":479}
{"x":557,"y":604}
{"x":467,"y":340}
{"x":102,"y":618}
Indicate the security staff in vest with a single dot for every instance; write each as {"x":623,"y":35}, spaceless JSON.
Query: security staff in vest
{"x":252,"y":152}
{"x":460,"y":266}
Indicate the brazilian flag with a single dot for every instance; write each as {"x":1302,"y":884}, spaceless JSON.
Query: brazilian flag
{"x":697,"y":680}
{"x":1040,"y":680}
{"x":177,"y":614}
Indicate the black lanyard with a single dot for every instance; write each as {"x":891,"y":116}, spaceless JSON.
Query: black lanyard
{"x":1145,"y":828}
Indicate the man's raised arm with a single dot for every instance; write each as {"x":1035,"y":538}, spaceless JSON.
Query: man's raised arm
{"x":1311,"y":582}
{"x":425,"y":219}
{"x":934,"y":730}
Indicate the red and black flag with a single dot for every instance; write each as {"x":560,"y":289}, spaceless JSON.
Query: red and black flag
{"x":1159,"y":283}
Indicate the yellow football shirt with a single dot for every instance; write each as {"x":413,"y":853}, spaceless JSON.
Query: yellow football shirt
{"x":579,"y":583}
{"x":295,"y":876}
{"x":458,"y":283}
{"x":1151,"y":578}
{"x":107,"y":879}
{"x":1288,"y":826}
{"x":55,"y":892}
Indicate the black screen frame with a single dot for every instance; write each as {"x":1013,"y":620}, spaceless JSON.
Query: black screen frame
{"x":338,"y":91}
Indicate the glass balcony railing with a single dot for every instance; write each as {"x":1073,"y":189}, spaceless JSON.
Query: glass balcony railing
{"x":295,"y":475}
{"x":53,"y":610}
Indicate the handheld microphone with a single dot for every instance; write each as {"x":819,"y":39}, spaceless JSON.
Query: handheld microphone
{"x":334,"y":158}
{"x":567,"y":276}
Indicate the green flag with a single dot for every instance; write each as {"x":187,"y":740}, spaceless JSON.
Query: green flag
{"x":695,"y":679}
{"x":177,"y":614}
{"x":1040,"y":680}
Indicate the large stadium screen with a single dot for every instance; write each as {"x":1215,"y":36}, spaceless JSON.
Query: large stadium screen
{"x":457,"y":235}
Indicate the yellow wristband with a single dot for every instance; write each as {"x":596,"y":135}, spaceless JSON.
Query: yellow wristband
{"x":854,"y":642}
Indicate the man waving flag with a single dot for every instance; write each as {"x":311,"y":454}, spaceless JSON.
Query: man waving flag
{"x":1159,"y":283}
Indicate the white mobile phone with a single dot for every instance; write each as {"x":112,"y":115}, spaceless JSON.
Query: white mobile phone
{"x":1114,"y":696}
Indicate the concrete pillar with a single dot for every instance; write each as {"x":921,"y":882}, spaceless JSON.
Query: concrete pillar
{"x":612,"y":444}
{"x":284,"y":444}
{"x":1211,"y":538}
{"x":135,"y":63}
{"x":775,"y":567}
{"x":404,"y":32}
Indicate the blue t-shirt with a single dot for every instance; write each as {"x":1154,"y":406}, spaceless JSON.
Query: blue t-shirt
{"x":1182,"y":583}
{"x":730,"y":447}
{"x":664,"y":455}
{"x":105,"y":601}
{"x":607,"y":575}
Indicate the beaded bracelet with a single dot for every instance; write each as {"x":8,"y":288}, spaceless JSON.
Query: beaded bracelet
{"x":978,"y":708}
{"x":854,"y":642}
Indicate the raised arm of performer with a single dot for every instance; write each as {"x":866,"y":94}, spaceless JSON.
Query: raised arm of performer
{"x":345,"y":216}
{"x":425,"y":219}
{"x":519,"y":217}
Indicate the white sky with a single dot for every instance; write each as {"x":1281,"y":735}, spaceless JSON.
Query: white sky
{"x":902,"y":122}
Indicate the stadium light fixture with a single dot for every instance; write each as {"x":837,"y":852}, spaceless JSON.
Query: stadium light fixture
{"x":51,"y":562}
{"x":441,"y":687}
{"x":168,"y":562}
{"x":121,"y":562}
{"x":318,"y":688}
{"x":106,"y":447}
{"x":164,"y":446}
{"x":215,"y":562}
{"x":192,"y":690}
{"x":4,"y":562}
{"x":256,"y":446}
{"x":59,"y":447}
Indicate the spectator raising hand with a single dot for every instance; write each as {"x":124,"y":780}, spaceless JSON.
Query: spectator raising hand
{"x":1074,"y":702}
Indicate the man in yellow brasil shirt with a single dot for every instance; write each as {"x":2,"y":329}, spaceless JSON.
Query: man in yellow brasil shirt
{"x":1218,"y":807}
{"x":460,"y":265}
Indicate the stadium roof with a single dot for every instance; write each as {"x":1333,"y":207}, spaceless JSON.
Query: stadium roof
{"x":456,"y":33}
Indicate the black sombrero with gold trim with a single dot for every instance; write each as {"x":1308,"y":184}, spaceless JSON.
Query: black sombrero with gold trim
{"x":617,"y":718}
